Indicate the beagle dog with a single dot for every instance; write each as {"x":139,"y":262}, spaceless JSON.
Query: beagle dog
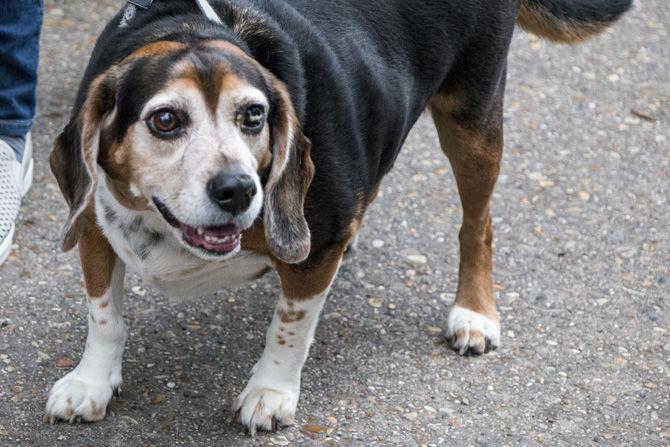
{"x":209,"y":145}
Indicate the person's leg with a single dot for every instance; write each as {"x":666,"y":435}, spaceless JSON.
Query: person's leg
{"x":19,"y":53}
{"x":20,"y":23}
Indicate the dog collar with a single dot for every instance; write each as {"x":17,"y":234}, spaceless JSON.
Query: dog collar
{"x":208,"y":11}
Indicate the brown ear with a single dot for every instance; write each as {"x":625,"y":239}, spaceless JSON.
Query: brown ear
{"x":286,"y":230}
{"x":74,"y":156}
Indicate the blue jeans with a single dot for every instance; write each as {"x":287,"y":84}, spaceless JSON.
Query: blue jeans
{"x":20,"y":23}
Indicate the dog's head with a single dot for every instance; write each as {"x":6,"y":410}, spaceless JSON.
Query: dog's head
{"x":202,"y":135}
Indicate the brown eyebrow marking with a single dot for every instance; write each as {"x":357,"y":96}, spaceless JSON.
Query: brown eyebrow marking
{"x":156,"y":48}
{"x":210,"y":79}
{"x":227,"y":46}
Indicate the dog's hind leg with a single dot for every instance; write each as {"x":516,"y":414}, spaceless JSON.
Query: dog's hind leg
{"x":474,"y":149}
{"x":83,"y":393}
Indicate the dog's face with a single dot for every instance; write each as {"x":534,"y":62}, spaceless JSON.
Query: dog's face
{"x":202,"y":135}
{"x":198,"y":146}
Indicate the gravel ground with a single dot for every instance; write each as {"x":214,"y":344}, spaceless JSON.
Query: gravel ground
{"x":582,"y":254}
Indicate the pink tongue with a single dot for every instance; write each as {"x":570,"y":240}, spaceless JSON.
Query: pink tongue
{"x":230,"y":231}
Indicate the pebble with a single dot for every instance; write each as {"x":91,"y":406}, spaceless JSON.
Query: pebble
{"x":139,"y":291}
{"x":279,"y":440}
{"x":584,"y":195}
{"x":417,"y":259}
{"x":171,"y":385}
{"x":411,"y":415}
{"x":313,"y":428}
{"x":377,"y":243}
{"x":375,"y":302}
{"x":64,"y":362}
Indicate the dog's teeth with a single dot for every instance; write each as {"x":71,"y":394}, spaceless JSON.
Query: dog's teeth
{"x":200,"y":231}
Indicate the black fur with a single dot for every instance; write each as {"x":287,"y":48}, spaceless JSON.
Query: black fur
{"x":359,"y":72}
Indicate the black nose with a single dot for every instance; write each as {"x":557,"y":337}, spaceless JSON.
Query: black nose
{"x":232,"y":191}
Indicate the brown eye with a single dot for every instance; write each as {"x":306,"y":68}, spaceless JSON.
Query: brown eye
{"x":252,"y":118}
{"x":165,"y":123}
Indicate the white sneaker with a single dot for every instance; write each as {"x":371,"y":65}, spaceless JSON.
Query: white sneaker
{"x":15,"y":181}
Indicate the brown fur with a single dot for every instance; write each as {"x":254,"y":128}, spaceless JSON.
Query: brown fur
{"x":88,"y":122}
{"x":299,"y":281}
{"x":475,"y":154}
{"x":97,"y":256}
{"x":290,"y":316}
{"x":542,"y":23}
{"x":119,"y":169}
{"x":158,"y":48}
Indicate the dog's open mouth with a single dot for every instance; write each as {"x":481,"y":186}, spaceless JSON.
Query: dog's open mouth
{"x":216,"y":240}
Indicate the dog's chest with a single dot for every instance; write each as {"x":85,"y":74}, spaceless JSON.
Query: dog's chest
{"x":148,"y":248}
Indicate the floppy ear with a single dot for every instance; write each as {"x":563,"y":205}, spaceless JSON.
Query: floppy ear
{"x":74,"y":156}
{"x":291,"y":172}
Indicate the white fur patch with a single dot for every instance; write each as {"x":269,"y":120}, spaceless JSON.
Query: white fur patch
{"x":470,"y":330}
{"x":84,"y":392}
{"x":271,"y":396}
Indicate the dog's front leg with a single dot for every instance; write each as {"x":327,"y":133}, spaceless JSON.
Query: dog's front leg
{"x":271,"y":396}
{"x":85,"y":391}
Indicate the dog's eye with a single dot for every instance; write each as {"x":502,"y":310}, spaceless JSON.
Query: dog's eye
{"x":252,"y":118}
{"x":165,"y":123}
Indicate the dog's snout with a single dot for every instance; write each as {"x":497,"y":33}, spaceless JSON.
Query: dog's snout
{"x":232,"y":191}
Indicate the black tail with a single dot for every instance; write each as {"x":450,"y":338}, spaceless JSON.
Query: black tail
{"x":569,"y":21}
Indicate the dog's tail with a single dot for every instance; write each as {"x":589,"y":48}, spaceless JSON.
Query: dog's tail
{"x":569,"y":21}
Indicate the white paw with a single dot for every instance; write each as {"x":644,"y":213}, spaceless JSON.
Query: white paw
{"x":266,"y":405}
{"x":75,"y":398}
{"x":471,"y":332}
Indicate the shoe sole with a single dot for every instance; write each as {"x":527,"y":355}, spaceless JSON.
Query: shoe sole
{"x":6,"y":245}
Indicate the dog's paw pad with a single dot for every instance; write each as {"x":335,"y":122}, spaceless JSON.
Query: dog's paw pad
{"x":265,"y":409}
{"x":470,"y":332}
{"x":75,"y":399}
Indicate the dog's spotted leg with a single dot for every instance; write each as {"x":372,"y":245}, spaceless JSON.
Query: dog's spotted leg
{"x":83,"y":393}
{"x":270,"y":398}
{"x":474,"y":149}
